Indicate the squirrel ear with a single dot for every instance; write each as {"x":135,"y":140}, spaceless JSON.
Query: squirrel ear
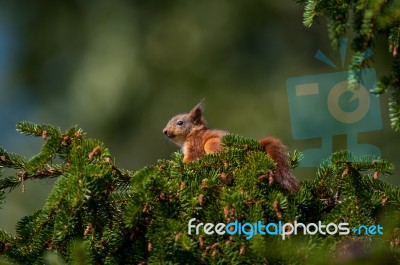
{"x":196,"y":114}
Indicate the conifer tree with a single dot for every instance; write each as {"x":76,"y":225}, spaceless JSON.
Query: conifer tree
{"x":366,"y":20}
{"x":98,"y":213}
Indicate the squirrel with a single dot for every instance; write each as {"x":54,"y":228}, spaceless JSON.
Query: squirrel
{"x":190,"y":132}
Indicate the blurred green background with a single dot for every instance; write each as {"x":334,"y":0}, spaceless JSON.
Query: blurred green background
{"x":121,"y":69}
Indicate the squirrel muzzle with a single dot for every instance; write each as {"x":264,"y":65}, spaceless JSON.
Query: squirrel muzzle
{"x":168,"y":134}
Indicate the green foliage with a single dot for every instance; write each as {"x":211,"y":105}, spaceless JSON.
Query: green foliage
{"x":100,"y":214}
{"x":368,"y":20}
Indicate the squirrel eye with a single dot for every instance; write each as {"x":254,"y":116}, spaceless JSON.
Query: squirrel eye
{"x":180,"y":123}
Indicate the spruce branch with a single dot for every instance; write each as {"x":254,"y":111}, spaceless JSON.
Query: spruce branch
{"x":370,"y":20}
{"x":42,"y":130}
{"x":99,"y":213}
{"x":310,"y":13}
{"x":11,"y":160}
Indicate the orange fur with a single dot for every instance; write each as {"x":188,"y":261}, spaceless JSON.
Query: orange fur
{"x":190,"y":131}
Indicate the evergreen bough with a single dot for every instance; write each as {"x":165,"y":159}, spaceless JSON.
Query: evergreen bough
{"x":366,"y":20}
{"x":98,"y":213}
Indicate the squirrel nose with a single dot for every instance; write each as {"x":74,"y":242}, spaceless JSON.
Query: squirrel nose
{"x":168,"y":134}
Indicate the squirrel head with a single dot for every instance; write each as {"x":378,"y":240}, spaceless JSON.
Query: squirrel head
{"x":180,"y":126}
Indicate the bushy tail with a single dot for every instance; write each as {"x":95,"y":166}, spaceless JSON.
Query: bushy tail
{"x":282,"y":174}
